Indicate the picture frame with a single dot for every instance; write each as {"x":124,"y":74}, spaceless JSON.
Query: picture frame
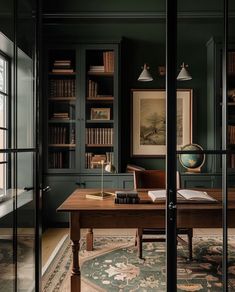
{"x":148,"y":133}
{"x":100,"y":113}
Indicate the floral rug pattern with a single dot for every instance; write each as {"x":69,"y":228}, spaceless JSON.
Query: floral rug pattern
{"x":114,"y":266}
{"x":25,"y":264}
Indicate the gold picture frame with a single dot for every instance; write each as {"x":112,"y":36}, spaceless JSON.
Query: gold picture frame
{"x":149,"y":121}
{"x":100,"y":113}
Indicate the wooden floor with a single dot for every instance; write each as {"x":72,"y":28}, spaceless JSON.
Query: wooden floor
{"x":51,"y":237}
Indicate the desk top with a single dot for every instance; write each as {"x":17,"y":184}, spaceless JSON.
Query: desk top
{"x":77,"y":201}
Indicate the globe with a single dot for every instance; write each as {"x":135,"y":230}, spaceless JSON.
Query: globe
{"x":193,"y":161}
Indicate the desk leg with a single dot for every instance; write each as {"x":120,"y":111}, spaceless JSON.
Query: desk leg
{"x":89,"y":239}
{"x":75,"y":237}
{"x":139,"y":242}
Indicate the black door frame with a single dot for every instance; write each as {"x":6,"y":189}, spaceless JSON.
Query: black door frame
{"x":171,"y":205}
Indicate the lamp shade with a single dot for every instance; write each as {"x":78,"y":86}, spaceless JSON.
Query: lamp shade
{"x":184,"y":74}
{"x":110,"y":168}
{"x":145,"y":75}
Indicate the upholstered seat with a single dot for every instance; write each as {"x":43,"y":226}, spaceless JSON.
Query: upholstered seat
{"x":156,"y":179}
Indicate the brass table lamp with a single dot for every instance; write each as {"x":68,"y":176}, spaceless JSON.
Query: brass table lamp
{"x":103,"y":195}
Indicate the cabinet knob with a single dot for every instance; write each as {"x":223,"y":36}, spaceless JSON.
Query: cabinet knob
{"x":46,"y":189}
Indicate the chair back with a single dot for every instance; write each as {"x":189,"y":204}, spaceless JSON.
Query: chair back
{"x":150,"y":179}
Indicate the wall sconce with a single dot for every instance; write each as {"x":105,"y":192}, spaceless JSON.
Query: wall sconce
{"x":145,"y":75}
{"x":184,"y":74}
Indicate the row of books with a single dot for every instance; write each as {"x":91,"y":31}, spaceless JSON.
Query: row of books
{"x":61,"y":159}
{"x":108,"y":63}
{"x":231,"y":161}
{"x":231,"y":63}
{"x":126,"y":197}
{"x":60,"y":116}
{"x":231,"y":134}
{"x":60,"y":135}
{"x":100,"y":136}
{"x":62,"y":66}
{"x":90,"y":161}
{"x":92,"y":88}
{"x":108,"y":58}
{"x":62,"y":88}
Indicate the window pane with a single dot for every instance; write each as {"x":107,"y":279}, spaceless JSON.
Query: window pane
{"x":2,"y":111}
{"x":3,"y":75}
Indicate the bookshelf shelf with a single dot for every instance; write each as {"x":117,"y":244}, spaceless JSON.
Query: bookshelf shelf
{"x":99,"y":98}
{"x":62,"y":74}
{"x":104,"y":74}
{"x":100,"y":121}
{"x":99,"y":145}
{"x":66,"y":99}
{"x":61,"y":121}
{"x":62,"y":145}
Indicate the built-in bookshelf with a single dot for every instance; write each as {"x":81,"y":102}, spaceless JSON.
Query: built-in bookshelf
{"x":231,"y":107}
{"x":82,"y":108}
{"x":100,"y":107}
{"x":61,"y":109}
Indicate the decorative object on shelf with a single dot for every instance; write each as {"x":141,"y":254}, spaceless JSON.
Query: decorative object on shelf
{"x":149,"y":121}
{"x":184,"y":74}
{"x":100,"y":113}
{"x":162,"y":70}
{"x":192,"y":161}
{"x":103,"y":195}
{"x":145,"y":75}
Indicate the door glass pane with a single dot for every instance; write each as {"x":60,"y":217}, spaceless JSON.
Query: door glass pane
{"x":25,"y":223}
{"x":25,"y":101}
{"x":231,"y":139}
{"x":200,"y":57}
{"x":199,"y":226}
{"x":7,"y":252}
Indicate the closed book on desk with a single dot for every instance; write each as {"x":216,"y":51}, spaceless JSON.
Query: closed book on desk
{"x":183,"y":195}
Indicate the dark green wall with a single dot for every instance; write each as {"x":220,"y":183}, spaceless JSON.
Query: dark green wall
{"x":144,"y":41}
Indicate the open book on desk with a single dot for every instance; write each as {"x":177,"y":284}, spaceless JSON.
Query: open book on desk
{"x":182,"y":195}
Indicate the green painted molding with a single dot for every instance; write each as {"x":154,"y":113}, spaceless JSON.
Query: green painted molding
{"x":134,"y":15}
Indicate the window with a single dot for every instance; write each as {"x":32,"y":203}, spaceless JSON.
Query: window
{"x":4,"y":121}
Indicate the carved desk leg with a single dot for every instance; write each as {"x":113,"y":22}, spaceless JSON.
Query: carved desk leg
{"x":89,"y":239}
{"x":75,"y":237}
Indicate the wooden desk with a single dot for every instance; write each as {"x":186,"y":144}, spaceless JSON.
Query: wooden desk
{"x":88,"y":213}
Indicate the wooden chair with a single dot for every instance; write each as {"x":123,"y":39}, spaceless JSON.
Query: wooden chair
{"x":156,"y":179}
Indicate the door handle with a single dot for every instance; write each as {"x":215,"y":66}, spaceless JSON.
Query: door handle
{"x":27,"y":189}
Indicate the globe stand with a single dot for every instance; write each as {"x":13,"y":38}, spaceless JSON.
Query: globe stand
{"x":193,"y":170}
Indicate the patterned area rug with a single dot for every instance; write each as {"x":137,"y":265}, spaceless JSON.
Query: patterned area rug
{"x":25,"y":264}
{"x":114,"y":266}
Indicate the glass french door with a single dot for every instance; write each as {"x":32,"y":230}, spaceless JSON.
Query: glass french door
{"x":200,"y":144}
{"x":19,"y":171}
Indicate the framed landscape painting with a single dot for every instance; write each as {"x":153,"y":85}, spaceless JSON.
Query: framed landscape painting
{"x":149,"y":121}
